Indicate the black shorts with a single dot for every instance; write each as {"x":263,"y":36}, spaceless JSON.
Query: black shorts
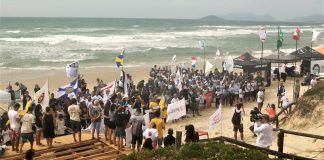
{"x":238,"y":128}
{"x":27,"y":136}
{"x":75,"y":126}
{"x":111,"y":124}
{"x":260,"y":105}
{"x":138,"y":139}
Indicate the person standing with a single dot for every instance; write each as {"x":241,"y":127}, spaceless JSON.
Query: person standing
{"x":121,"y":122}
{"x":260,"y":98}
{"x":28,"y":120}
{"x":157,"y":120}
{"x":263,"y":130}
{"x":38,"y":123}
{"x":14,"y":120}
{"x":296,"y":90}
{"x":22,"y":88}
{"x":74,"y":112}
{"x":25,"y":99}
{"x":49,"y":127}
{"x":137,"y":121}
{"x":95,"y":114}
{"x":237,"y":120}
{"x":313,"y":82}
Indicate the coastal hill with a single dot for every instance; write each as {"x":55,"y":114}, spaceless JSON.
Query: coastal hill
{"x":317,"y":18}
{"x":212,"y":18}
{"x":248,"y":17}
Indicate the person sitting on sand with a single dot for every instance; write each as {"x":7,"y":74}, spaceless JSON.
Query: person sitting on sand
{"x":191,"y":134}
{"x":271,"y":110}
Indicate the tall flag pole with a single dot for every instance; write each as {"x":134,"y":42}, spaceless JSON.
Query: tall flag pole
{"x":263,"y":36}
{"x":202,"y":45}
{"x":296,"y":37}
{"x":279,"y":45}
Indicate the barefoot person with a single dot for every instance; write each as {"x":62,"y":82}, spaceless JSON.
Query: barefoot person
{"x":137,"y":121}
{"x":38,"y":124}
{"x":95,"y":115}
{"x":28,"y":120}
{"x":237,"y":120}
{"x":74,"y":112}
{"x":14,"y":120}
{"x":48,"y":127}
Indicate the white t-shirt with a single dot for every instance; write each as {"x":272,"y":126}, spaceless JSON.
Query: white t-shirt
{"x":264,"y":134}
{"x":285,"y":101}
{"x":60,"y":127}
{"x":260,"y":97}
{"x":27,"y":122}
{"x":13,"y":115}
{"x":241,"y":93}
{"x":5,"y":136}
{"x":151,"y":133}
{"x":282,"y":68}
{"x":98,"y":97}
{"x":313,"y":82}
{"x":74,"y":112}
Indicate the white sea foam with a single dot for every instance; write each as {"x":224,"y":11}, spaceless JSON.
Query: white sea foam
{"x":14,"y":31}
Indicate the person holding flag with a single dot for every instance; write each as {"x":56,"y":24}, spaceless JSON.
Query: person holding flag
{"x":120,"y":59}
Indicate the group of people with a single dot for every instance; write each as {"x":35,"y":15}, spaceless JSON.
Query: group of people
{"x":123,"y":114}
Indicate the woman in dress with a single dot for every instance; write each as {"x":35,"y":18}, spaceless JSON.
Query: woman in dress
{"x":49,"y":128}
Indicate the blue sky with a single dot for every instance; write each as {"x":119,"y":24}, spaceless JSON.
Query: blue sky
{"x":279,"y":9}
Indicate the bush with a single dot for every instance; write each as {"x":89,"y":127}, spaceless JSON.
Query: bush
{"x":200,"y":151}
{"x":318,"y":90}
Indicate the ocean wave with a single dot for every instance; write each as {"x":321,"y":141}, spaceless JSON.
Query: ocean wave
{"x":14,"y":31}
{"x":34,"y":68}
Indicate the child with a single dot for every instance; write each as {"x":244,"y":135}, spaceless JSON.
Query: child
{"x":48,"y":127}
{"x":60,"y":127}
{"x":169,"y":140}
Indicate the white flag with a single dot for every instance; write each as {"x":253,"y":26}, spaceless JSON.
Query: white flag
{"x":262,"y":33}
{"x":111,"y":88}
{"x":72,"y":69}
{"x":202,"y":44}
{"x":174,"y":57}
{"x":208,"y":67}
{"x":42,"y":97}
{"x":315,"y":35}
{"x":178,"y":80}
{"x":216,"y":118}
{"x":217,"y":53}
{"x":228,"y":64}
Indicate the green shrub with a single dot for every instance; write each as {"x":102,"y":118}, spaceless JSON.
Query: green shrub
{"x":318,"y":90}
{"x":200,"y":151}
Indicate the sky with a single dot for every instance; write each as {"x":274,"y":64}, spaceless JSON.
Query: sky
{"x":186,"y":9}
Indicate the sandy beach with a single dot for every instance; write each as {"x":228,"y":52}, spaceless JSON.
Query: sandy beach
{"x":292,"y":143}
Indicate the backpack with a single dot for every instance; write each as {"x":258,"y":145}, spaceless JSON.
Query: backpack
{"x":236,"y":119}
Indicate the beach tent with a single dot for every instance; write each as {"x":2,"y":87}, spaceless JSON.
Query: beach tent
{"x":5,"y":97}
{"x":283,"y":58}
{"x":250,"y":63}
{"x":320,"y":50}
{"x":307,"y":53}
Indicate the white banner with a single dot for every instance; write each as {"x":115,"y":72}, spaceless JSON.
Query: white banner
{"x":262,"y":33}
{"x":317,"y":68}
{"x":176,"y":110}
{"x":42,"y":97}
{"x":72,"y":69}
{"x":108,"y":91}
{"x":216,"y":118}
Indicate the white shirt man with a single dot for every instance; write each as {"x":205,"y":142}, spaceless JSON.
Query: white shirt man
{"x":264,"y":134}
{"x":14,"y":120}
{"x":260,"y":99}
{"x":27,"y":122}
{"x":74,"y":112}
{"x":173,"y":100}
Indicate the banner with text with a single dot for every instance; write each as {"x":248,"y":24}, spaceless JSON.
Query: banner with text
{"x":176,"y":110}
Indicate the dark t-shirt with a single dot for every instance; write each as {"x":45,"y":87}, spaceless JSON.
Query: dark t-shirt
{"x":169,"y":140}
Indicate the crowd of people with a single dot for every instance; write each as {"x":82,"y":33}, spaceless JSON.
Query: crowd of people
{"x":122,"y":114}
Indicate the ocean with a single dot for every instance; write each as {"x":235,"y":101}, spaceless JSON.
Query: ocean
{"x":51,"y":43}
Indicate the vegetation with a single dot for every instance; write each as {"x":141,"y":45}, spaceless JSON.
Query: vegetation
{"x":318,"y":90}
{"x":200,"y":151}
